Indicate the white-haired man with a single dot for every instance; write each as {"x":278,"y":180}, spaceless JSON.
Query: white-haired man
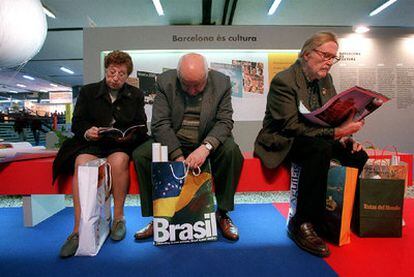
{"x":287,"y":135}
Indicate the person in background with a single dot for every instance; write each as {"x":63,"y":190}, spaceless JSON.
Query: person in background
{"x":288,"y":136}
{"x":36,"y":127}
{"x":192,"y":115}
{"x":55,"y":122}
{"x":20,"y":123}
{"x":108,"y":103}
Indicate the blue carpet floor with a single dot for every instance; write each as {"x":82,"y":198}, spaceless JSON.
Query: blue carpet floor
{"x":263,"y":250}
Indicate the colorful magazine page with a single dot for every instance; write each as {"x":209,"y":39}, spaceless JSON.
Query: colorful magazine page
{"x":339,"y":107}
{"x":253,"y":76}
{"x":235,"y":74}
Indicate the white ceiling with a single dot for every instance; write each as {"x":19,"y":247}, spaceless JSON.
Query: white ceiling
{"x":64,"y":41}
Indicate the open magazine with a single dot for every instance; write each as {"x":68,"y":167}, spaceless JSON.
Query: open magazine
{"x":116,"y":133}
{"x":17,"y":151}
{"x":339,"y":107}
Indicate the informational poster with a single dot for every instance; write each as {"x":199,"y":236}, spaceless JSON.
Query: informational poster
{"x":60,"y":97}
{"x":248,"y":72}
{"x":146,"y":82}
{"x":394,"y":82}
{"x":235,"y":74}
{"x":280,"y":61}
{"x":252,"y":73}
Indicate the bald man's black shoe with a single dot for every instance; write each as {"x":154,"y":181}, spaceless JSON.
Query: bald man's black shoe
{"x":306,"y":238}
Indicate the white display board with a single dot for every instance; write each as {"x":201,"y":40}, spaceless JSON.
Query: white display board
{"x":250,"y":83}
{"x":381,"y":60}
{"x":386,"y":66}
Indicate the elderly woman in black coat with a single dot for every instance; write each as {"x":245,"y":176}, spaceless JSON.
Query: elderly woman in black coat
{"x":109,"y":103}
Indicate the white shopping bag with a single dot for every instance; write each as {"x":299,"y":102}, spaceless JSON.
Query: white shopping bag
{"x":94,"y":179}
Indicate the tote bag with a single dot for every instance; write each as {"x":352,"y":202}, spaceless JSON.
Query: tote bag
{"x":183,"y":204}
{"x":379,"y":208}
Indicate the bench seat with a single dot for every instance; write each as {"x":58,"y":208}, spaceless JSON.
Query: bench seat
{"x":29,"y":177}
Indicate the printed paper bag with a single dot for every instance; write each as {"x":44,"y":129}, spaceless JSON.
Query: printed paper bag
{"x":94,"y":180}
{"x":383,"y":169}
{"x":379,"y":207}
{"x":183,"y":204}
{"x":339,"y":203}
{"x":389,"y":164}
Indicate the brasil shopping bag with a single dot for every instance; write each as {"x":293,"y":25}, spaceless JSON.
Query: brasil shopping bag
{"x":183,"y":204}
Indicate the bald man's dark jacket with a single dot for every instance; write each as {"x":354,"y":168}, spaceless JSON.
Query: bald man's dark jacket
{"x":216,"y":121}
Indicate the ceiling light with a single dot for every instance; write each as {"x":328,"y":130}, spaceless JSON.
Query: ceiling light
{"x":274,"y":7}
{"x":67,"y":70}
{"x":361,"y":29}
{"x":53,"y":85}
{"x":28,"y":77}
{"x":43,"y":90}
{"x":13,"y":91}
{"x":158,"y":7}
{"x":48,"y":12}
{"x":21,"y":85}
{"x":382,"y":7}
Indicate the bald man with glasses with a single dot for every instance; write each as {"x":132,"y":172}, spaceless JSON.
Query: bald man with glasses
{"x":287,"y":136}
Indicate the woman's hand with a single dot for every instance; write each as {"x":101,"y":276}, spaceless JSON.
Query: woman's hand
{"x":92,"y":133}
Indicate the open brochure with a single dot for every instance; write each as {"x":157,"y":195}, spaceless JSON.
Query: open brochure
{"x":17,"y":151}
{"x":116,"y":133}
{"x":339,"y":107}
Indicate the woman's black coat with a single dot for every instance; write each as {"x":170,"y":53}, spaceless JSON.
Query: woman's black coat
{"x":95,"y":108}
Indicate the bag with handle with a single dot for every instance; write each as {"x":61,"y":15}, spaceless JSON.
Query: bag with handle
{"x":379,"y":208}
{"x":380,"y":197}
{"x":183,"y":203}
{"x":341,"y":185}
{"x":384,"y":167}
{"x":385,"y":163}
{"x":340,"y":195}
{"x":94,"y":180}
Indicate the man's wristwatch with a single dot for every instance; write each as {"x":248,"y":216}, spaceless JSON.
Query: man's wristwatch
{"x":208,"y":146}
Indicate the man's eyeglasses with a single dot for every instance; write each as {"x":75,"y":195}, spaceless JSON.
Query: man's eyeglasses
{"x":327,"y":57}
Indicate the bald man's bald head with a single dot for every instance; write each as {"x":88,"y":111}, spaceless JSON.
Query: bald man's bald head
{"x":192,"y":71}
